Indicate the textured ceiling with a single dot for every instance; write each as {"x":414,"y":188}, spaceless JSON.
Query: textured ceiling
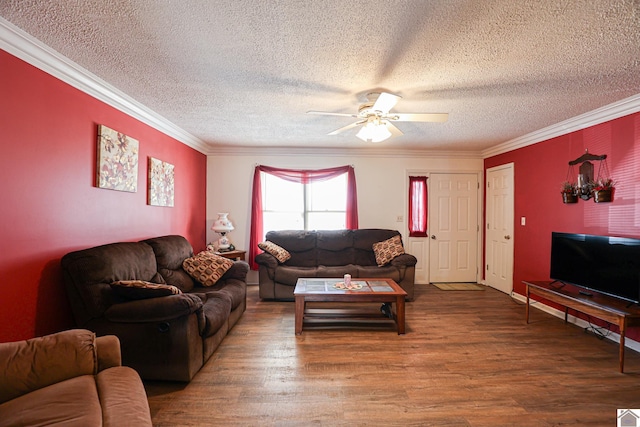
{"x":244,"y":72}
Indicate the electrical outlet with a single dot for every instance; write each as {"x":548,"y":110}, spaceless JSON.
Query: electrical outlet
{"x":399,"y":218}
{"x":523,"y":220}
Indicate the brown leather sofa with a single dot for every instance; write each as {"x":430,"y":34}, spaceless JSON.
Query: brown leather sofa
{"x":163,"y":338}
{"x":69,"y":378}
{"x":330,"y":253}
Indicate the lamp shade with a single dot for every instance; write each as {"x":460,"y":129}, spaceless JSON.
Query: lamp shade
{"x":222,"y":224}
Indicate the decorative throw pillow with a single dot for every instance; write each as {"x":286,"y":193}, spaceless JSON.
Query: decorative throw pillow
{"x":387,"y":250}
{"x":207,"y":267}
{"x":140,"y":289}
{"x":281,"y":254}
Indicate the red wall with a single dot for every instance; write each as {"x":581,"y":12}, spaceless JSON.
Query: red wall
{"x":49,"y":204}
{"x":540,"y":170}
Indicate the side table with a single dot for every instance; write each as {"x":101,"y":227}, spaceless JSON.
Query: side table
{"x":235,"y":254}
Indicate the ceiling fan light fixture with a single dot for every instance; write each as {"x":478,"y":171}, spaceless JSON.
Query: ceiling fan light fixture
{"x":374,"y":130}
{"x":377,"y":121}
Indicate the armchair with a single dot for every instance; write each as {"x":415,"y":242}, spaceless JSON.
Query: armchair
{"x":70,"y":378}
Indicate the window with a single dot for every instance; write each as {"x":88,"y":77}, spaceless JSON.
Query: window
{"x":301,"y":200}
{"x":417,"y":206}
{"x":295,"y":206}
{"x":326,"y":204}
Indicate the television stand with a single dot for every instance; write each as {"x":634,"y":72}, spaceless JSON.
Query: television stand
{"x":609,"y":309}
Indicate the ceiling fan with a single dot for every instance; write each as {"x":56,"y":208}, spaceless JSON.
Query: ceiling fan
{"x":375,"y":118}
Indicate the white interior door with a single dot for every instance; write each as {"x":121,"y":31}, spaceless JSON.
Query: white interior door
{"x":453,"y":229}
{"x":499,"y":218}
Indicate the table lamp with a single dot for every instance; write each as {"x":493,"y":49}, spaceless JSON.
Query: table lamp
{"x":222,"y":226}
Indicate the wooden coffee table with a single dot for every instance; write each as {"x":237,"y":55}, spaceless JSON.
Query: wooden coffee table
{"x":324,"y":290}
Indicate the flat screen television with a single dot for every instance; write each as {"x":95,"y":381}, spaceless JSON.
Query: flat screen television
{"x":608,"y":265}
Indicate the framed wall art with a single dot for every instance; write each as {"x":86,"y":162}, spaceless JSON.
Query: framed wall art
{"x":117,"y":161}
{"x":161,"y":183}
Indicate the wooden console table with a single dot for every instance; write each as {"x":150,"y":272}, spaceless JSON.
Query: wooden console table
{"x":603,"y":307}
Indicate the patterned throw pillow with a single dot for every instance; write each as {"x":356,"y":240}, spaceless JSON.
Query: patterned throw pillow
{"x":387,"y":250}
{"x":279,"y":252}
{"x":207,"y":267}
{"x":140,"y":289}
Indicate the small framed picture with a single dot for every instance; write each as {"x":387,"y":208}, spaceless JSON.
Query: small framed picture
{"x":161,"y":183}
{"x":117,"y":161}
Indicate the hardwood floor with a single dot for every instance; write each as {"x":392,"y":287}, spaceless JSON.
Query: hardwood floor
{"x":468,"y":359}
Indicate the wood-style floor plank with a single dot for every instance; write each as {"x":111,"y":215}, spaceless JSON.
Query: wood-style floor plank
{"x":468,"y":359}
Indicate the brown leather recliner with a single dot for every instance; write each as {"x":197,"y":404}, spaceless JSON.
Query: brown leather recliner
{"x":163,"y":338}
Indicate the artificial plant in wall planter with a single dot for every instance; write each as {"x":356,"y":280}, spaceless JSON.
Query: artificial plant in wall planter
{"x":569,"y":192}
{"x":586,"y":187}
{"x":603,"y":189}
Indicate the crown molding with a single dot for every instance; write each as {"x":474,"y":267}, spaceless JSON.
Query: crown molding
{"x":339,"y":152}
{"x":612,"y":111}
{"x":31,"y":50}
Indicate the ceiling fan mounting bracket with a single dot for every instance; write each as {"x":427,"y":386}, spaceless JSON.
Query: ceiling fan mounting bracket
{"x":372,"y":97}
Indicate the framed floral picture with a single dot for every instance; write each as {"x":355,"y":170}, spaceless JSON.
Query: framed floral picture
{"x":117,"y":161}
{"x":160,"y":183}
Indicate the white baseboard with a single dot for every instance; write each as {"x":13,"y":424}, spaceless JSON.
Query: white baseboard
{"x":628,"y":342}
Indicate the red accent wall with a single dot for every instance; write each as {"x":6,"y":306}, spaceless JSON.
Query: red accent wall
{"x":49,"y":204}
{"x":540,"y":170}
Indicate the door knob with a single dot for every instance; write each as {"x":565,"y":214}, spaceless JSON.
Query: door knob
{"x":507,"y":237}
{"x":433,"y":237}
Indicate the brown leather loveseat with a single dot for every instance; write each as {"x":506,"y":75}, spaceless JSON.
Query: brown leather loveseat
{"x":69,"y":378}
{"x":330,"y":253}
{"x":164,"y":337}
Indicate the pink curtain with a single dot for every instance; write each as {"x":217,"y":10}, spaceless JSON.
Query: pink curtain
{"x":418,"y":206}
{"x":302,"y":177}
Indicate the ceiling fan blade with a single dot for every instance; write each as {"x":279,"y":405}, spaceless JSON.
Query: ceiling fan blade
{"x":394,"y":130}
{"x":326,"y":113}
{"x":351,"y":126}
{"x":419,"y":117}
{"x":385,"y":102}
